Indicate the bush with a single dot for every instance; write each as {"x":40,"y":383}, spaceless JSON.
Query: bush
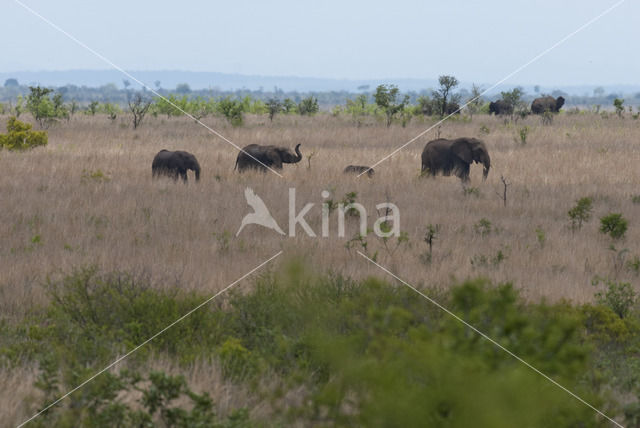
{"x":614,"y":225}
{"x":20,"y":136}
{"x":232,"y":110}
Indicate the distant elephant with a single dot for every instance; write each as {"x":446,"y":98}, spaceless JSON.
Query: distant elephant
{"x":259,"y":157}
{"x":453,"y":108}
{"x":500,"y":107}
{"x":174,"y":164}
{"x":455,"y":156}
{"x":540,"y":105}
{"x":359,"y":169}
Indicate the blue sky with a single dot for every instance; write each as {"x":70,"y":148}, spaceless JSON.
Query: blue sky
{"x":475,"y":41}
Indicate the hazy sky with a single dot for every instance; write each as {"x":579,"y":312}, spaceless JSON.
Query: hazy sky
{"x":477,"y":41}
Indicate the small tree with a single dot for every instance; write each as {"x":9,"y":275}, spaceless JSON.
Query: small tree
{"x":308,"y":106}
{"x":581,"y":213}
{"x":92,"y":108}
{"x":614,"y":225}
{"x":138,"y":106}
{"x":513,"y":99}
{"x":474,"y":103}
{"x":443,"y":96}
{"x":618,"y":104}
{"x":289,"y":106}
{"x":273,"y":107}
{"x":386,"y":98}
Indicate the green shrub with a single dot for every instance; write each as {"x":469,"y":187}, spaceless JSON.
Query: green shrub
{"x":20,"y":136}
{"x":231,"y":109}
{"x":614,"y":225}
{"x":619,"y":296}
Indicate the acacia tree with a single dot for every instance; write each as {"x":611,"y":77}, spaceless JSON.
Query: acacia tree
{"x":139,"y":106}
{"x":386,"y":98}
{"x":443,"y":96}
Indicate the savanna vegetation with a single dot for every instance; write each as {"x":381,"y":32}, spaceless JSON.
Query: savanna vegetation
{"x":97,"y":257}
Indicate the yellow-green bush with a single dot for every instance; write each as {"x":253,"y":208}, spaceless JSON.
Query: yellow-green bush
{"x":20,"y":136}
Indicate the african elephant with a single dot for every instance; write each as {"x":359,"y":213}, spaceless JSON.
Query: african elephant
{"x":540,"y":105}
{"x":500,"y":107}
{"x":174,"y":164}
{"x":359,"y":169}
{"x":452,"y":108}
{"x":455,"y":156}
{"x":259,"y":157}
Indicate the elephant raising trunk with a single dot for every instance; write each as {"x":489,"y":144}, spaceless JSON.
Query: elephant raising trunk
{"x":259,"y":157}
{"x":455,"y":156}
{"x":174,"y":164}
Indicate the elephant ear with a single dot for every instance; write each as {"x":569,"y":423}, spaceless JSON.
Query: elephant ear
{"x":462,"y":149}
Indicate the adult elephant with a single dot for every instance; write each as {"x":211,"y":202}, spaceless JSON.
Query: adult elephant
{"x":455,"y":156}
{"x":540,"y":105}
{"x":500,"y":107}
{"x":255,"y":156}
{"x":174,"y":164}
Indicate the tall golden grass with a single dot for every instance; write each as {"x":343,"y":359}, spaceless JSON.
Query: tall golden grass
{"x":88,"y":198}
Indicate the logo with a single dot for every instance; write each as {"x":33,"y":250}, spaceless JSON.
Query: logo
{"x":260,"y":214}
{"x":390,"y":222}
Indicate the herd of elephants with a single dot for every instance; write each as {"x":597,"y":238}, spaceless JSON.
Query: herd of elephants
{"x":439,"y":156}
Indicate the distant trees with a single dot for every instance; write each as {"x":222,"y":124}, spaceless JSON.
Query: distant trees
{"x":386,"y":97}
{"x":443,"y":96}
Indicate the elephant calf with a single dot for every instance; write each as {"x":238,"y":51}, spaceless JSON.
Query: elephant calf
{"x":174,"y":164}
{"x":359,"y":169}
{"x":455,"y":156}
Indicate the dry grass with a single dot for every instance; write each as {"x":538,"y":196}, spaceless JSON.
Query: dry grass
{"x":186,"y":234}
{"x":173,"y":231}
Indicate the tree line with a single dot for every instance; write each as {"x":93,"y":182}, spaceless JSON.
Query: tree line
{"x":49,"y":106}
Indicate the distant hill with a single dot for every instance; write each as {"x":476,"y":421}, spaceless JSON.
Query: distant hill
{"x":230,"y":82}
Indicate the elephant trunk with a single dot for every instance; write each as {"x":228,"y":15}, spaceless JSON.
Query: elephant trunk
{"x":487,"y":166}
{"x":298,"y":154}
{"x":198,"y":174}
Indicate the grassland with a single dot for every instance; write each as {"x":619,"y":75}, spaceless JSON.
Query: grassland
{"x":87,"y":198}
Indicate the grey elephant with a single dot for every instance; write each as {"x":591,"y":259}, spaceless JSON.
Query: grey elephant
{"x":174,"y":164}
{"x":553,"y":105}
{"x":455,"y":156}
{"x":500,"y":107}
{"x":359,"y":169}
{"x":259,"y":157}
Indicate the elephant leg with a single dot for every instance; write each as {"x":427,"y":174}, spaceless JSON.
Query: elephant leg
{"x":183,"y":174}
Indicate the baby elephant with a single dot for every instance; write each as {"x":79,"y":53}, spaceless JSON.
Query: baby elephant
{"x":174,"y":164}
{"x":359,"y":169}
